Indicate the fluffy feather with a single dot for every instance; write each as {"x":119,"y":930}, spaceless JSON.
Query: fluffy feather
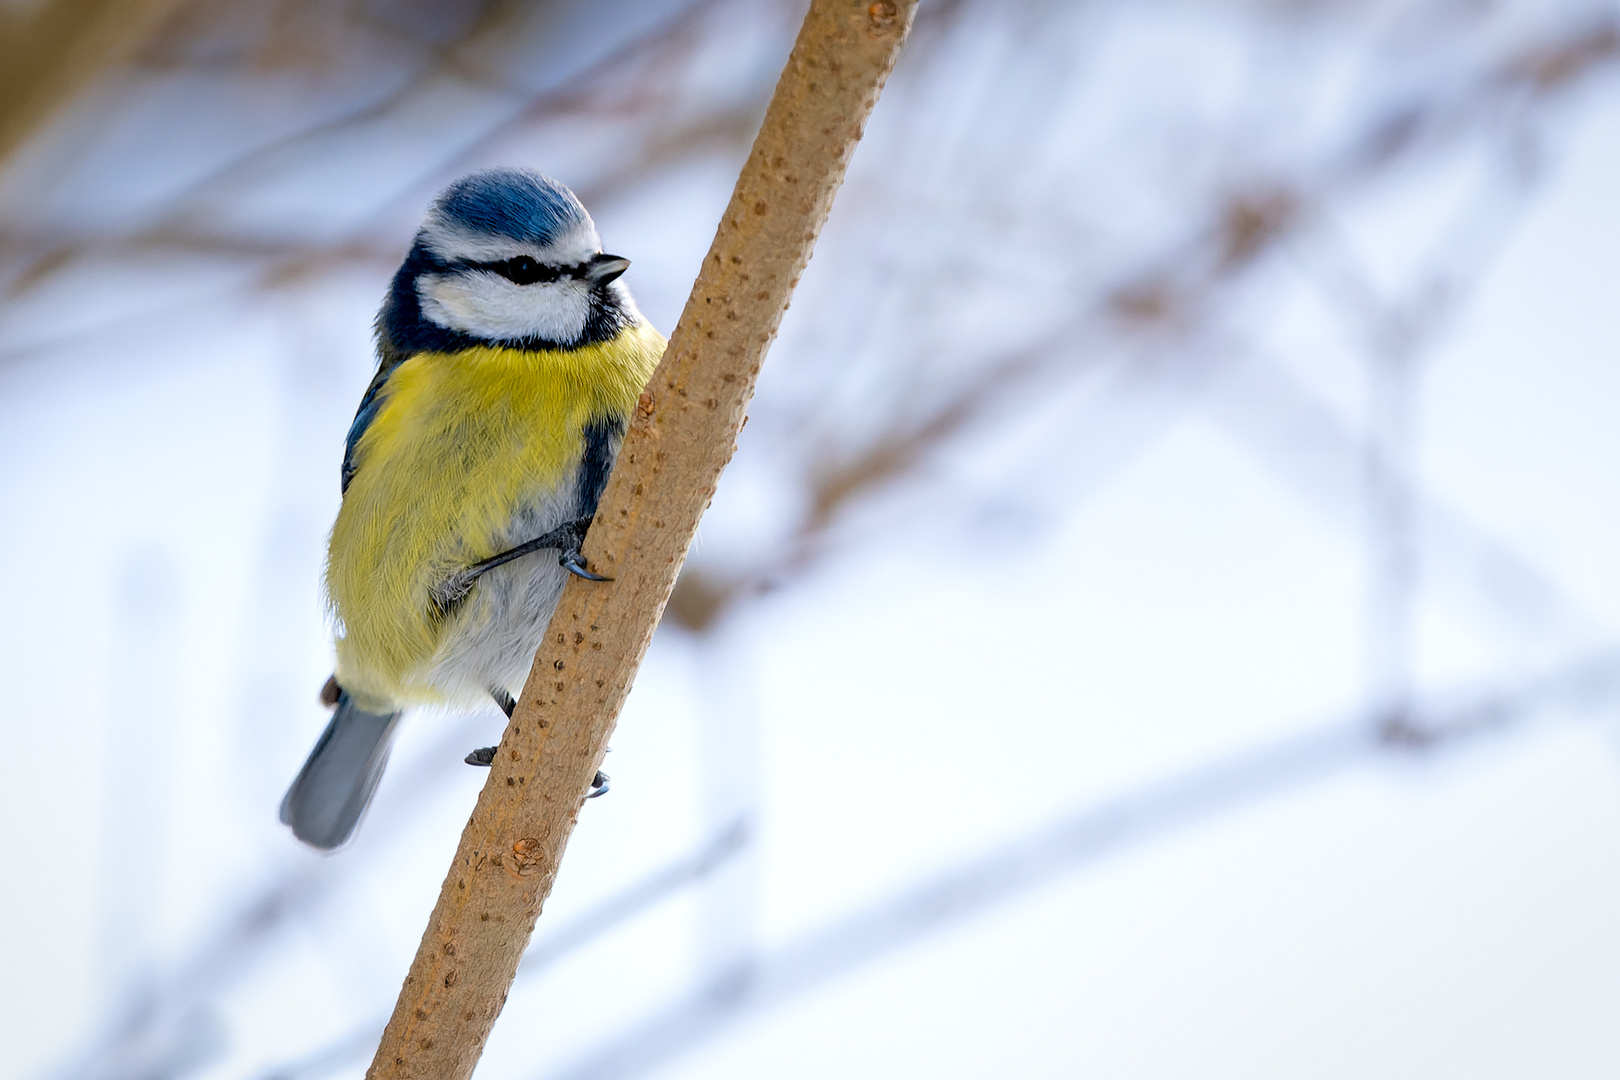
{"x":498,"y":405}
{"x":485,"y":305}
{"x":510,"y":203}
{"x":469,"y":454}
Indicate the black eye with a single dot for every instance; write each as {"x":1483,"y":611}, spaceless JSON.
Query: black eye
{"x":525,"y":271}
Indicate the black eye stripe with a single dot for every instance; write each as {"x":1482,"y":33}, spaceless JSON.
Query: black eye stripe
{"x":526,"y":270}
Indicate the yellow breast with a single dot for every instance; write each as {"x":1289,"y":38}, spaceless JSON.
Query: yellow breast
{"x":461,"y":443}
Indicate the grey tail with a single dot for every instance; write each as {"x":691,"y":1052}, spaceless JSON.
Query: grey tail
{"x":330,"y":793}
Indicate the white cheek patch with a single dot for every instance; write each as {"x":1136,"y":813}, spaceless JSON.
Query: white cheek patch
{"x":487,"y":305}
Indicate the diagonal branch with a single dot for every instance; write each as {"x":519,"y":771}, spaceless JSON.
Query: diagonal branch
{"x":680,"y":439}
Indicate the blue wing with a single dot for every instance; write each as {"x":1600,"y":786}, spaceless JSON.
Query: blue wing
{"x":602,"y":438}
{"x":369,"y":406}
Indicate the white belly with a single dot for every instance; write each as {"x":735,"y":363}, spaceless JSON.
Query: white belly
{"x":492,"y":635}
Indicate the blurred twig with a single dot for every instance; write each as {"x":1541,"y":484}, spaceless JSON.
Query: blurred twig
{"x":1086,"y":835}
{"x":1166,"y":309}
{"x":1166,"y":324}
{"x":242,"y":939}
{"x":52,"y":50}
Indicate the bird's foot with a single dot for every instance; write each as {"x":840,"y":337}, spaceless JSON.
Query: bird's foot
{"x":483,"y":757}
{"x":570,"y":537}
{"x":566,"y":538}
{"x":600,"y":784}
{"x":574,"y":564}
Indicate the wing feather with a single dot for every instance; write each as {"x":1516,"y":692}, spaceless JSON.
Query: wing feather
{"x":370,"y":403}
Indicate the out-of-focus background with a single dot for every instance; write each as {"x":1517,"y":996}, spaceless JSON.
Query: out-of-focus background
{"x":1163,"y":619}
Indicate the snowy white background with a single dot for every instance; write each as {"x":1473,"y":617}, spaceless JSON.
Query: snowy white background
{"x":1088,"y":734}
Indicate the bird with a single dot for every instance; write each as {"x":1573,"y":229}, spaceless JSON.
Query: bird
{"x":510,"y":355}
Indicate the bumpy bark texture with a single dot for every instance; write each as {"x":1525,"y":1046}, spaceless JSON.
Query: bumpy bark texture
{"x":681,"y":437}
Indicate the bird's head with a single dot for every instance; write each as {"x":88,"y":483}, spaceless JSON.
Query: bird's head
{"x":506,"y":255}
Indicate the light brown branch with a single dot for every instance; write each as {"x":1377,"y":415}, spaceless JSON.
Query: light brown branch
{"x":680,"y":439}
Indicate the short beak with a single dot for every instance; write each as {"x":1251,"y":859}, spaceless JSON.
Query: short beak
{"x":604,"y":268}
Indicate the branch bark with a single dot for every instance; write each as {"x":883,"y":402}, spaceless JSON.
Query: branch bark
{"x":681,"y":437}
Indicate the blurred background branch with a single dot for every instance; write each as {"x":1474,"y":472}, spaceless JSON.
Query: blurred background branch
{"x":1214,"y":365}
{"x":50,"y":52}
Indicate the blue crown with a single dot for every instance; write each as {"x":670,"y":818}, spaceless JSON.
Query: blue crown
{"x":513,"y":202}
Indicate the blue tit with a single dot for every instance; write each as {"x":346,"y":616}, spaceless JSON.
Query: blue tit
{"x":510,"y":356}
